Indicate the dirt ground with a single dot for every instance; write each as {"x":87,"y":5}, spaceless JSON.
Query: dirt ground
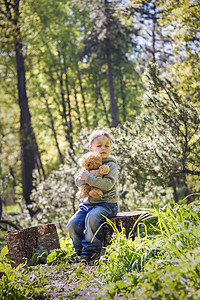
{"x":72,"y":282}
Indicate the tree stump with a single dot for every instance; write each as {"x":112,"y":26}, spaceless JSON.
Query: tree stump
{"x":21,"y":243}
{"x":123,"y":221}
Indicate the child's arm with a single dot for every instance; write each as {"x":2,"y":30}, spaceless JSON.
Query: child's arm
{"x":79,"y":178}
{"x":84,"y":175}
{"x":106,"y":182}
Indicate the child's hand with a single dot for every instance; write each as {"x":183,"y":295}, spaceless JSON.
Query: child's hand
{"x":84,"y":175}
{"x":95,"y":172}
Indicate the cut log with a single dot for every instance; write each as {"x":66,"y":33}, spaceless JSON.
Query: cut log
{"x":21,"y":243}
{"x":124,"y":221}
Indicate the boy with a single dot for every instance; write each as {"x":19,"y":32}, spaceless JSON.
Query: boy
{"x":83,"y":225}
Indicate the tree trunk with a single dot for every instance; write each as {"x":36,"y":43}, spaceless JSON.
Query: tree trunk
{"x":124,"y":220}
{"x":64,"y":113}
{"x":102,"y":100}
{"x":26,"y":133}
{"x":122,"y":94}
{"x":83,"y":95}
{"x":68,"y":96}
{"x":68,"y":102}
{"x":77,"y":108}
{"x":95,"y":118}
{"x":113,"y":105}
{"x":21,"y":243}
{"x":27,"y":140}
{"x":173,"y":184}
{"x":54,"y":131}
{"x":39,"y":161}
{"x":111,"y":86}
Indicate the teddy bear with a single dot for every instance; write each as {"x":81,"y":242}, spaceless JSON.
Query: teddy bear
{"x":92,"y":161}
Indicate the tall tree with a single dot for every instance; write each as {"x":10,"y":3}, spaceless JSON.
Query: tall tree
{"x":108,"y":14}
{"x":100,"y":36}
{"x":183,"y":20}
{"x":153,"y":41}
{"x":107,"y":45}
{"x":53,"y":127}
{"x":29,"y":150}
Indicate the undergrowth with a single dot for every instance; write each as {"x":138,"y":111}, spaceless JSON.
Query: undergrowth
{"x":15,"y":282}
{"x":160,"y":265}
{"x":162,"y":262}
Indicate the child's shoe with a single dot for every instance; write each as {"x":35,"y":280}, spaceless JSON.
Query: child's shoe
{"x":75,"y":257}
{"x":90,"y":255}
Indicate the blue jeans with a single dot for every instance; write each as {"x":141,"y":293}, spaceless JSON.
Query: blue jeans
{"x":83,"y":225}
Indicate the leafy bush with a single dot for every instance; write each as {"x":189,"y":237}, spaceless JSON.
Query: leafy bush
{"x":161,"y":147}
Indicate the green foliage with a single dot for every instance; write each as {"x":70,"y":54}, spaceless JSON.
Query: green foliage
{"x":64,"y":48}
{"x":39,"y":256}
{"x":161,"y":146}
{"x":171,"y":271}
{"x":162,"y":262}
{"x":63,"y":254}
{"x":125,"y":255}
{"x":56,"y":256}
{"x":42,"y":256}
{"x":147,"y":227}
{"x":15,"y":284}
{"x":56,"y":196}
{"x":29,"y":281}
{"x":153,"y":149}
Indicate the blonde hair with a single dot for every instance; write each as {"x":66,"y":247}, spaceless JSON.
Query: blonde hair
{"x":97,"y":133}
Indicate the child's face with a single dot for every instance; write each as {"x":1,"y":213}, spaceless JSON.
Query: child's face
{"x":101,"y":144}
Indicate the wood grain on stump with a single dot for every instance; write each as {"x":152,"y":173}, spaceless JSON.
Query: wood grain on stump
{"x":125,"y":220}
{"x":21,"y":243}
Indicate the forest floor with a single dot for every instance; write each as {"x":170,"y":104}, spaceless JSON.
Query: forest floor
{"x":73,"y":281}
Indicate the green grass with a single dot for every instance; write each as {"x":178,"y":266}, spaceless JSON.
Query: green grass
{"x":164,"y":264}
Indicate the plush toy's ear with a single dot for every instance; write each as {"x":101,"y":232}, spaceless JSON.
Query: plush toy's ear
{"x":80,"y":161}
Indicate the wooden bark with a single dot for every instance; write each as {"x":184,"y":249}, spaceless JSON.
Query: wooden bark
{"x":68,"y":136}
{"x":98,"y":89}
{"x":26,"y":132}
{"x":83,"y":95}
{"x":125,"y":220}
{"x":21,"y":243}
{"x":53,"y":129}
{"x":77,"y":108}
{"x":68,"y":96}
{"x":113,"y":105}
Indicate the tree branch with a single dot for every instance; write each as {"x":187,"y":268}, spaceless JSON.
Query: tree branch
{"x":187,"y":171}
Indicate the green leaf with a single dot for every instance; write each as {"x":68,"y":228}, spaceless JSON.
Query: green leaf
{"x":4,"y":251}
{"x":120,"y":284}
{"x":51,"y":257}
